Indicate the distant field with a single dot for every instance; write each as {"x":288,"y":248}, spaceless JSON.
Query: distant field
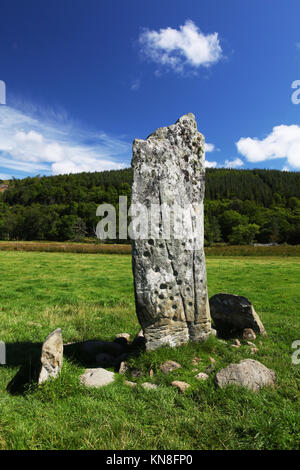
{"x":90,"y":296}
{"x":72,"y":247}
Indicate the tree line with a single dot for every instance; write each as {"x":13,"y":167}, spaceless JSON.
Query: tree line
{"x":241,"y":206}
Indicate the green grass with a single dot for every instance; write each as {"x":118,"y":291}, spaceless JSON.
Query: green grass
{"x":90,"y":296}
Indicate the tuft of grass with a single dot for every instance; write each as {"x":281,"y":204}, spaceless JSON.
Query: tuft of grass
{"x":90,"y":296}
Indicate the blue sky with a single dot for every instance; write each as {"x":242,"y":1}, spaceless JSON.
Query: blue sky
{"x":85,"y":77}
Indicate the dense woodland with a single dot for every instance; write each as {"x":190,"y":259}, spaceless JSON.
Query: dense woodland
{"x":241,"y":206}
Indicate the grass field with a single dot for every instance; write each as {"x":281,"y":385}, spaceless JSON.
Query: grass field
{"x":120,"y":249}
{"x":90,"y":296}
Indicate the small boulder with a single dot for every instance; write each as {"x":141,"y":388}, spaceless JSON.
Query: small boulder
{"x":149,"y":386}
{"x":123,"y":367}
{"x":97,"y":377}
{"x":233,"y":313}
{"x":254,"y":350}
{"x":130,"y":384}
{"x":169,"y":366}
{"x":136,"y":373}
{"x":126,"y":336}
{"x":196,"y":361}
{"x":248,"y":333}
{"x":202,"y":376}
{"x":237,"y":343}
{"x":247,"y":373}
{"x":51,"y":356}
{"x":181,"y":386}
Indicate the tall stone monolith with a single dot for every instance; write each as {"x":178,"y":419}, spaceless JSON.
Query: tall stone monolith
{"x":169,"y":266}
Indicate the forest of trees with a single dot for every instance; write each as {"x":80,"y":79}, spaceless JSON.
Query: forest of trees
{"x":241,"y":206}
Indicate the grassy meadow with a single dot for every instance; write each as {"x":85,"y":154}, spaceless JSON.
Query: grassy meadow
{"x":90,"y":296}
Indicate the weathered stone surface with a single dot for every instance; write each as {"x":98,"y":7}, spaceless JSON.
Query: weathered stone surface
{"x":149,"y":386}
{"x":169,"y":366}
{"x":233,"y":313}
{"x":248,"y":373}
{"x":170,"y":274}
{"x":181,"y":386}
{"x":97,"y":377}
{"x":52,"y":356}
{"x":202,"y":376}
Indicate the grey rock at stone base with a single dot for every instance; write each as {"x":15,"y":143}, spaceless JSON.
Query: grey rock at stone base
{"x":170,"y":274}
{"x":96,"y":377}
{"x":149,"y":386}
{"x":51,"y":356}
{"x":233,"y":313}
{"x":248,"y":333}
{"x":169,"y":366}
{"x":247,"y":373}
{"x":181,"y":386}
{"x":130,"y":384}
{"x":123,"y":367}
{"x":136,"y":373}
{"x":202,"y":376}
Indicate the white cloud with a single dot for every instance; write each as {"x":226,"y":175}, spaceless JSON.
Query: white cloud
{"x":33,"y":146}
{"x":135,"y":85}
{"x":285,"y":168}
{"x":209,"y":147}
{"x":4,"y":176}
{"x":178,"y":48}
{"x":234,"y":163}
{"x":210,"y":164}
{"x":282,"y":142}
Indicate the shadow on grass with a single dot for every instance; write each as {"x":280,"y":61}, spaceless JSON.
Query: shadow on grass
{"x":88,"y":354}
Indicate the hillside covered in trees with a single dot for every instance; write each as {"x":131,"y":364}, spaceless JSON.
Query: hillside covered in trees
{"x":241,"y":206}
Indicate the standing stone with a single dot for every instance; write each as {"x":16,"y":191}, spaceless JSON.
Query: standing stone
{"x":170,"y":273}
{"x":52,"y":356}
